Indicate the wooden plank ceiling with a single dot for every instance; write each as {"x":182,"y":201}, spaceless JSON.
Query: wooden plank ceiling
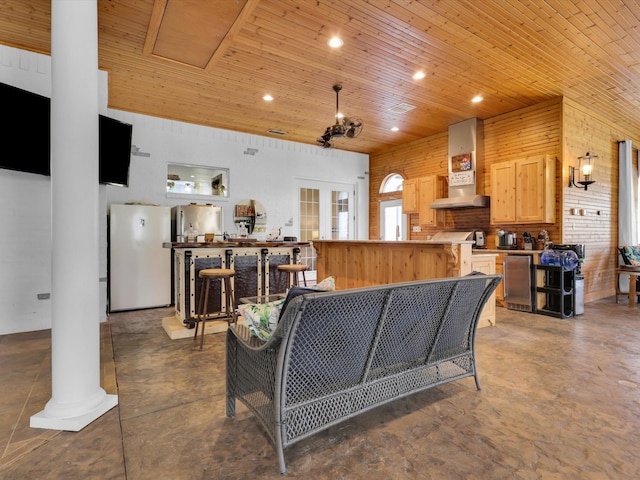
{"x":210,"y":62}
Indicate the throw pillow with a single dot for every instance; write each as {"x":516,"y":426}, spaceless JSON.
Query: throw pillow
{"x":262,"y":319}
{"x":633,"y":254}
{"x":326,"y":285}
{"x":293,"y":293}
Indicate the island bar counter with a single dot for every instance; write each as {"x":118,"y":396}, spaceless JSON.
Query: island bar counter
{"x":361,"y":263}
{"x":255,"y":264}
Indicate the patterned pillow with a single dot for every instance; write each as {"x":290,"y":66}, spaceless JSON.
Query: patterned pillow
{"x":326,"y":285}
{"x":262,"y":319}
{"x":632,"y":254}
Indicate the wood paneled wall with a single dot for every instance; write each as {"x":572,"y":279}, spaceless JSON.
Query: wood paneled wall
{"x":597,"y":227}
{"x":559,"y":127}
{"x":526,"y":132}
{"x":412,"y":160}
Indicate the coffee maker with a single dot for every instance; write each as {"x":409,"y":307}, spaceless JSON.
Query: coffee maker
{"x":507,"y":240}
{"x":480,"y":239}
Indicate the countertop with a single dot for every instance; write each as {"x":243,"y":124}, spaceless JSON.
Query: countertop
{"x":399,"y":242}
{"x":477,"y":251}
{"x":234,"y":244}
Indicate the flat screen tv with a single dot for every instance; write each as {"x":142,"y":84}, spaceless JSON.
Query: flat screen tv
{"x":25,"y":130}
{"x":25,"y":127}
{"x":115,"y":151}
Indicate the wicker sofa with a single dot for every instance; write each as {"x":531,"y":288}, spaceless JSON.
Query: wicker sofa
{"x":337,"y":354}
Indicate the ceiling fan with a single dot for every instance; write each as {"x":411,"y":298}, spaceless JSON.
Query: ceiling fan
{"x":349,"y":127}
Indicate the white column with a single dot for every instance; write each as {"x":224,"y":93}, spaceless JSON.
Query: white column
{"x":77,"y":398}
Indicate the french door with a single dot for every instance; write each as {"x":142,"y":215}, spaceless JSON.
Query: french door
{"x":327,"y":212}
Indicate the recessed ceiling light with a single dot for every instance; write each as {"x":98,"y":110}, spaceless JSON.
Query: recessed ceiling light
{"x":267,"y":98}
{"x":335,"y":42}
{"x":419,"y":75}
{"x":394,"y":129}
{"x":477,"y":99}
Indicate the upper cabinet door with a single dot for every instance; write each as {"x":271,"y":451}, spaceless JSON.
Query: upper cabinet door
{"x":530,"y":190}
{"x":523,"y":191}
{"x":426,"y":196}
{"x":503,"y":193}
{"x":535,"y":187}
{"x":410,"y":196}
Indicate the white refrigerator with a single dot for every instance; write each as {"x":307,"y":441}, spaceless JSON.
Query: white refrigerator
{"x":139,"y":266}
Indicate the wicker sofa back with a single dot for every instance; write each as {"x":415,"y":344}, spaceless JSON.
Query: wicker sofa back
{"x":337,"y":354}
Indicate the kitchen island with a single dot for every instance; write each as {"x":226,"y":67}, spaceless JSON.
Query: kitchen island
{"x":361,"y":263}
{"x":255,"y":264}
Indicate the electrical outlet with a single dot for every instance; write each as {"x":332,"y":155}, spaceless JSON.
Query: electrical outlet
{"x":417,"y":229}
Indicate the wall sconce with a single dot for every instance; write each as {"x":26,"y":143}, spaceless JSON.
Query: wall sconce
{"x":585,"y":172}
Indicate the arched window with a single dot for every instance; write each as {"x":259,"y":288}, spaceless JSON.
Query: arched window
{"x":392,"y":183}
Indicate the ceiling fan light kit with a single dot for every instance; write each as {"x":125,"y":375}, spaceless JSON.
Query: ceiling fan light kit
{"x":349,"y":127}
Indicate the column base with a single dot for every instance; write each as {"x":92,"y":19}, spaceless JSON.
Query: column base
{"x":73,"y":424}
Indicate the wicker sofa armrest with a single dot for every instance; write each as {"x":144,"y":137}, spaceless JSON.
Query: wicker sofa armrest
{"x":244,"y":335}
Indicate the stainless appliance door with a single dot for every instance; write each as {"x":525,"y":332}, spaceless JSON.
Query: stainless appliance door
{"x":517,"y":282}
{"x":204,"y":218}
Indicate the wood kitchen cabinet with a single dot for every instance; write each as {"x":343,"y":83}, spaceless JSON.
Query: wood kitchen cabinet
{"x":417,"y":196}
{"x":523,"y":191}
{"x":499,"y":292}
{"x":410,"y":196}
{"x":426,"y":196}
{"x":486,"y":263}
{"x":503,"y":192}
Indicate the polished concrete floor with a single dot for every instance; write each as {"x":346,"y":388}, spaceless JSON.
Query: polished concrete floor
{"x":560,"y":400}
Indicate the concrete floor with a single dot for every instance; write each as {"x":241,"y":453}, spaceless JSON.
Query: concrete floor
{"x":560,"y":400}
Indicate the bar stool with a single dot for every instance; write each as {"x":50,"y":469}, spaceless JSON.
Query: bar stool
{"x":292,"y":270}
{"x":207,"y":275}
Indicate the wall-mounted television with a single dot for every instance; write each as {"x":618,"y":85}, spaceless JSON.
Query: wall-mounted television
{"x":25,"y":127}
{"x":115,"y":151}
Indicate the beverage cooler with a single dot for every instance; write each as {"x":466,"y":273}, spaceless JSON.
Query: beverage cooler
{"x":517,"y":280}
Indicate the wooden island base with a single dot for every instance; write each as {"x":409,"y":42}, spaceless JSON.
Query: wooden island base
{"x":361,"y":263}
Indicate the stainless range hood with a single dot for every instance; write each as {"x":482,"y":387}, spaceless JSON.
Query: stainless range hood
{"x":467,"y":201}
{"x":465,"y":153}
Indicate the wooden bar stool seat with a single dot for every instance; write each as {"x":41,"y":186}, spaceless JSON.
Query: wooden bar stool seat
{"x":292,"y":270}
{"x":229,"y":313}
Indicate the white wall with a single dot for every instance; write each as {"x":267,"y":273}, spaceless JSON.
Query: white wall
{"x":270,"y":176}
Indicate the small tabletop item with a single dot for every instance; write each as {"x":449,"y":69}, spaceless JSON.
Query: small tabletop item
{"x":242,"y":230}
{"x":191,"y":234}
